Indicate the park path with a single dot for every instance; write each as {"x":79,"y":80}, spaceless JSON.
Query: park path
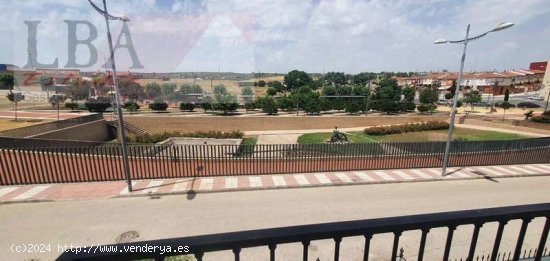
{"x":477,"y":127}
{"x":290,"y":138}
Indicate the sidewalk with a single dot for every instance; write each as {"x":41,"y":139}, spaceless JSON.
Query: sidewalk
{"x":191,"y":186}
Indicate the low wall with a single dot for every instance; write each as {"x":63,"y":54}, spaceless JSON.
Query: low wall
{"x":93,"y":131}
{"x":260,"y":123}
{"x":37,"y":129}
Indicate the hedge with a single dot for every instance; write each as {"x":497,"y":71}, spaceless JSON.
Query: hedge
{"x":71,"y":105}
{"x":99,"y":105}
{"x":158,"y":106}
{"x":187,"y":106}
{"x":410,"y":127}
{"x":158,"y":137}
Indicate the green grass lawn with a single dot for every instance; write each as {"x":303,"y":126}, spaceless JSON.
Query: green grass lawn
{"x":435,"y":135}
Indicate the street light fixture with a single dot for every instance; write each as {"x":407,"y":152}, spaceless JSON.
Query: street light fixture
{"x":467,"y":39}
{"x":121,"y":132}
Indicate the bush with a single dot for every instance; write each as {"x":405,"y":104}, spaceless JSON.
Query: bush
{"x":528,"y":105}
{"x":410,"y":127}
{"x":158,"y":106}
{"x":225,"y":107}
{"x":250,"y":106}
{"x":71,"y":105}
{"x":546,"y":113}
{"x":540,"y":119}
{"x":422,"y":108}
{"x":158,"y":137}
{"x":131,"y":106}
{"x":97,"y":105}
{"x":528,"y":114}
{"x":407,"y":106}
{"x":206,"y":106}
{"x":187,"y":106}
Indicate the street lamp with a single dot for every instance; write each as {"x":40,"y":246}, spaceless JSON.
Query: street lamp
{"x":499,"y":27}
{"x":121,"y":132}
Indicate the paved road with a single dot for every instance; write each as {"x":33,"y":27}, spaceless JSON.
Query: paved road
{"x":101,"y":221}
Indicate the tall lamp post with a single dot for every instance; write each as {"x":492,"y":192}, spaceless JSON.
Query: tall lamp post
{"x":467,"y":39}
{"x":121,"y":132}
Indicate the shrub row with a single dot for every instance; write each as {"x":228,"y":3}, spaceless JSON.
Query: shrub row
{"x":410,"y":127}
{"x":158,"y":137}
{"x":543,"y":118}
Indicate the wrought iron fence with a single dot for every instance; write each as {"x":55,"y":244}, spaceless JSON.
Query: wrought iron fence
{"x":26,"y":164}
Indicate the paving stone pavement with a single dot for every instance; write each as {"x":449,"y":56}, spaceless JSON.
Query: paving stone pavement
{"x":190,"y":186}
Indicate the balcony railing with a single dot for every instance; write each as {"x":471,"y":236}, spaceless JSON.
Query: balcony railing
{"x":271,"y":238}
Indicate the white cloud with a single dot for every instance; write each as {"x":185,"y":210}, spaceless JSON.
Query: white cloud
{"x":314,"y":35}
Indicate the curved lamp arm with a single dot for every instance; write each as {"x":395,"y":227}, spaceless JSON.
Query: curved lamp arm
{"x":111,"y":17}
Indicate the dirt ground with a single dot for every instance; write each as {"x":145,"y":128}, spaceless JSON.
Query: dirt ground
{"x":227,"y":123}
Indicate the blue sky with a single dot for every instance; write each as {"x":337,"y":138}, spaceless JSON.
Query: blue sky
{"x":281,"y":35}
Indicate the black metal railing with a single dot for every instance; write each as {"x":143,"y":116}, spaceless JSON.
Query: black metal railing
{"x":273,"y":237}
{"x":25,"y":163}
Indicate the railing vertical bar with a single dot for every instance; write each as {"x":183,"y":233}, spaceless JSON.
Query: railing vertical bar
{"x":366,"y":249}
{"x":425,"y":232}
{"x":473,"y":243}
{"x":305,"y":250}
{"x":521,"y":237}
{"x":543,"y":238}
{"x":448,"y":242}
{"x":498,"y":238}
{"x":237,"y":253}
{"x":395,"y":246}
{"x":337,"y":241}
{"x":272,"y":248}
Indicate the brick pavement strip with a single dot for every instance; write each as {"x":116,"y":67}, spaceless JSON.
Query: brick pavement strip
{"x":104,"y":190}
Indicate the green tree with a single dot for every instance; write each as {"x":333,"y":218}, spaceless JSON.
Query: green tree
{"x":261,"y":83}
{"x":153,"y":90}
{"x":334,"y":78}
{"x":363,"y":78}
{"x":247,"y":94}
{"x":278,"y":86}
{"x":409,"y":93}
{"x":7,"y":81}
{"x":100,"y":85}
{"x":267,"y":104}
{"x":427,"y":98}
{"x":45,"y":81}
{"x":169,"y":91}
{"x":285,"y":103}
{"x":224,"y":101}
{"x":387,"y":96}
{"x":78,"y":89}
{"x":271,"y":91}
{"x":472,"y":97}
{"x":296,"y":79}
{"x":15,"y":97}
{"x":506,"y":95}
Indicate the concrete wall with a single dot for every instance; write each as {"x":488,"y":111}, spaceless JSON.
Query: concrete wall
{"x":92,"y":131}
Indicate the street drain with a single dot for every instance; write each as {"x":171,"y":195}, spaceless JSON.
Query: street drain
{"x":127,"y":237}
